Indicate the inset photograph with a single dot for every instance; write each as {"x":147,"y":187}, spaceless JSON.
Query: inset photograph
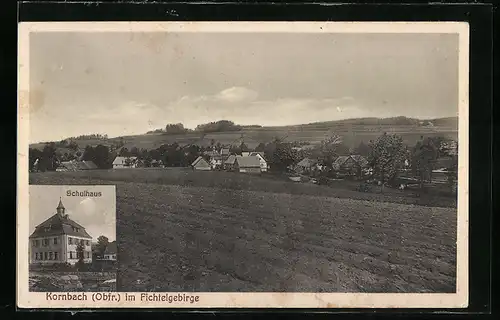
{"x":72,"y":242}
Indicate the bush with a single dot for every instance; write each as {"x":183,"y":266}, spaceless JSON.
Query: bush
{"x":364,"y":187}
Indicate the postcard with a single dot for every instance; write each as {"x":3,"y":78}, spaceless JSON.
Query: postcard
{"x":243,"y":165}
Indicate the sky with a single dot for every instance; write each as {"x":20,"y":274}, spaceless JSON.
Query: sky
{"x":124,"y":83}
{"x":96,"y":214}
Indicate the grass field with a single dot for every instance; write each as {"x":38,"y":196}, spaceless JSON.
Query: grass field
{"x":352,"y":136}
{"x":211,"y":231}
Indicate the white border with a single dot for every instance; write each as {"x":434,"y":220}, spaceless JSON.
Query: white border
{"x":26,"y":299}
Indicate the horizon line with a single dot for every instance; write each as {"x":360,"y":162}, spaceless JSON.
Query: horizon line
{"x":248,"y":125}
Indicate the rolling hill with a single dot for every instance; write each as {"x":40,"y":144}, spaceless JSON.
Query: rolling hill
{"x":353,"y":131}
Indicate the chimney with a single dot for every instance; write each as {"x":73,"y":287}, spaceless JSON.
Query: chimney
{"x":60,"y":208}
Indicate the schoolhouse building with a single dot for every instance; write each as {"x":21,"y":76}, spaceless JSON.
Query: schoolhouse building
{"x":56,"y":240}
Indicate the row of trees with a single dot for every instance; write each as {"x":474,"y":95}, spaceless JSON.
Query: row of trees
{"x":216,"y":126}
{"x":386,"y":155}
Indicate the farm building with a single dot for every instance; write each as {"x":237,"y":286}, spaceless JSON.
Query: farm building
{"x":201,"y":164}
{"x":263,"y":163}
{"x":351,"y":165}
{"x":76,"y":166}
{"x":230,"y":162}
{"x":110,"y":251}
{"x":306,"y":165}
{"x":214,"y":158}
{"x":125,"y":162}
{"x":247,"y":164}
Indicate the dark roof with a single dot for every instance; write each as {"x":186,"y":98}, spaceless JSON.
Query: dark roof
{"x":111,"y":248}
{"x":60,"y":205}
{"x":360,"y":160}
{"x":306,"y":162}
{"x":248,"y":162}
{"x":57,"y":225}
{"x":78,"y":165}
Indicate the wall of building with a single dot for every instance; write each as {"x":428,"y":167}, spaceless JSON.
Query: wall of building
{"x":70,"y":254}
{"x":59,"y":252}
{"x":249,"y":170}
{"x":47,"y":253}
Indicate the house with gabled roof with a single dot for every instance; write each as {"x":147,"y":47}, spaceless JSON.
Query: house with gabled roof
{"x":110,"y":251}
{"x":76,"y":165}
{"x":215,"y":159}
{"x":201,"y":164}
{"x":230,"y":162}
{"x":351,"y":165}
{"x":124,"y":162}
{"x":56,"y":240}
{"x":262,"y":160}
{"x":306,"y":165}
{"x":247,"y":164}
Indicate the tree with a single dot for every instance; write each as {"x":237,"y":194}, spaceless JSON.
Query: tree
{"x":362,"y":149}
{"x":329,"y":150}
{"x":261,"y":147}
{"x":80,"y":255}
{"x":73,"y":145}
{"x":124,"y":152}
{"x":102,"y":243}
{"x":175,"y":128}
{"x":244,"y":147}
{"x":280,"y":154}
{"x":387,"y":156}
{"x":134,"y":152}
{"x":102,"y":157}
{"x":424,"y":154}
{"x":48,"y":159}
{"x":88,"y":154}
{"x":35,"y":156}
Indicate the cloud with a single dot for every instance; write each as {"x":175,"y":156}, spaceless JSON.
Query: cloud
{"x":238,"y":104}
{"x":236,"y":94}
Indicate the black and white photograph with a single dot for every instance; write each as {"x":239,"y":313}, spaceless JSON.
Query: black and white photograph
{"x":72,"y":242}
{"x":327,"y":160}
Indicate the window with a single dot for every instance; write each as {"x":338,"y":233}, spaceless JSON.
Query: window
{"x":36,"y":255}
{"x":56,"y":256}
{"x":37,"y":243}
{"x":87,"y":243}
{"x":70,"y":240}
{"x":45,"y":242}
{"x":45,"y":256}
{"x":71,"y":254}
{"x":88,"y":254}
{"x":33,"y":243}
{"x":51,"y":255}
{"x":55,"y":240}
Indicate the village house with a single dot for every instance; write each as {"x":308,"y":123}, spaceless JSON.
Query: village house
{"x":306,"y":165}
{"x":75,"y":165}
{"x":125,"y":162}
{"x":110,"y":252}
{"x":230,"y":162}
{"x":350,"y":165}
{"x":201,"y":164}
{"x":56,"y":240}
{"x":247,"y":164}
{"x":214,"y":158}
{"x":263,"y":163}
